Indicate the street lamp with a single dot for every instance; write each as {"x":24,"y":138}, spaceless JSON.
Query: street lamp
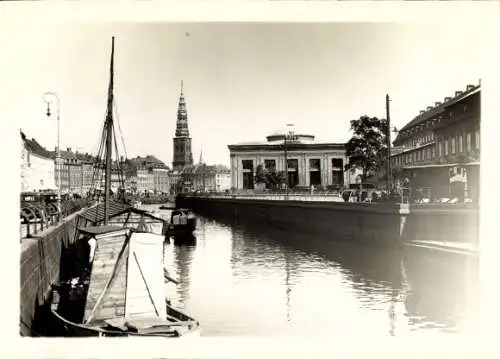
{"x":48,"y":99}
{"x":287,"y":136}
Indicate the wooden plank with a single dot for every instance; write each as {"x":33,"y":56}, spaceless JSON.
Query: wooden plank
{"x":105,"y":259}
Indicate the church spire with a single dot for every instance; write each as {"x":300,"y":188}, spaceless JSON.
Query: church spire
{"x":201,"y":155}
{"x":182,"y":142}
{"x":182,"y":124}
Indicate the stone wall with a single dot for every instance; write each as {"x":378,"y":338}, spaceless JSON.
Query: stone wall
{"x":380,"y":224}
{"x":377,"y":224}
{"x":40,"y":267}
{"x":450,"y":223}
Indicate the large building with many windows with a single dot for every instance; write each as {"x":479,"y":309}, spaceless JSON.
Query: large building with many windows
{"x":309,"y":163}
{"x":439,"y":150}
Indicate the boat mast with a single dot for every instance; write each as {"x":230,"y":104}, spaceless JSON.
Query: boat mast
{"x":109,"y":135}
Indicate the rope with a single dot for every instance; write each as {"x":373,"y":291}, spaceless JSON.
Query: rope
{"x":115,"y":106}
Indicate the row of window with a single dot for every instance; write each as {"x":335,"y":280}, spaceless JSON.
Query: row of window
{"x":451,"y":145}
{"x":422,"y":139}
{"x":314,"y":164}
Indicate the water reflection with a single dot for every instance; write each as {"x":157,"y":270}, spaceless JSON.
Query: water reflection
{"x":242,"y":279}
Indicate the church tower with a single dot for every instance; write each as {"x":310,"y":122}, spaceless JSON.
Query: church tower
{"x":182,"y":142}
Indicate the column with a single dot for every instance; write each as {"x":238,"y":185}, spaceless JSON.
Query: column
{"x":324,"y":170}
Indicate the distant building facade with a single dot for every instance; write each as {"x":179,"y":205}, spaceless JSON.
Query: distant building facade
{"x":147,"y":174}
{"x":439,"y":150}
{"x":309,"y":163}
{"x":37,"y":166}
{"x":204,"y":178}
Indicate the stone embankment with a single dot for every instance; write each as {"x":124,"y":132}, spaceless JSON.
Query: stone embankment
{"x":41,"y":257}
{"x":382,"y":224}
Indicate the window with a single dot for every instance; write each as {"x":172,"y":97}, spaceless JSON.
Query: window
{"x":433,"y":152}
{"x":440,"y":149}
{"x":314,"y":171}
{"x":337,"y":172}
{"x":477,"y":139}
{"x":314,"y":164}
{"x":247,"y":164}
{"x":453,"y":145}
{"x":337,"y":163}
{"x":469,"y":142}
{"x":460,"y":144}
{"x":446,"y":147}
{"x":270,"y":164}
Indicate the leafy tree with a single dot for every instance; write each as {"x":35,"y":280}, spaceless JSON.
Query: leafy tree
{"x":260,"y":174}
{"x":367,"y":148}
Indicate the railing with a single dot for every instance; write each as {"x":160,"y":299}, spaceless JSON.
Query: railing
{"x":36,"y":217}
{"x":322,"y":197}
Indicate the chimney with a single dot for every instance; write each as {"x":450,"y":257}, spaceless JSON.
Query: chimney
{"x":446,"y":99}
{"x":55,"y":149}
{"x":438,"y":103}
{"x":429,"y":108}
{"x":470,"y":87}
{"x":68,"y":149}
{"x":458,"y":93}
{"x":422,"y":112}
{"x":121,"y":158}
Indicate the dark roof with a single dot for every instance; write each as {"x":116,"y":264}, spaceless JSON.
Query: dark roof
{"x":34,"y":147}
{"x":100,"y":229}
{"x":433,"y":112}
{"x":96,"y":214}
{"x":148,"y":161}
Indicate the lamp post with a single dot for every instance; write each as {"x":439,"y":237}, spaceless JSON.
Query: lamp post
{"x":47,"y":99}
{"x":288,"y":137}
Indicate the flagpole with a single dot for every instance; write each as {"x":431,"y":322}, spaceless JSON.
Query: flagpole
{"x":58,"y":149}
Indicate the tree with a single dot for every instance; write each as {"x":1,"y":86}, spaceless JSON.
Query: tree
{"x":269,"y":177}
{"x":260,"y":174}
{"x":367,"y":149}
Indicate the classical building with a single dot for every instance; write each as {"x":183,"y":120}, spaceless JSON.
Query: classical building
{"x":37,"y":166}
{"x":182,"y":142}
{"x":308,"y":162}
{"x":439,"y":150}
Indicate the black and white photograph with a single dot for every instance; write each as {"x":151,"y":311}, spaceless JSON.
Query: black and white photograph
{"x":185,"y":180}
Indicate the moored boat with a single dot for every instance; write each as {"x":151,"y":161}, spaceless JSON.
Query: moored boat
{"x":182,"y":223}
{"x":122,"y":290}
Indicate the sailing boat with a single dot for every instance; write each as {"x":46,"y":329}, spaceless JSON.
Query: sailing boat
{"x":118,"y":286}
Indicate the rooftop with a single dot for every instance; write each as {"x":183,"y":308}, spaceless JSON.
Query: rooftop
{"x":439,"y":107}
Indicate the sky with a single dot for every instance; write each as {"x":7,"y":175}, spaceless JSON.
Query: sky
{"x":242,"y":81}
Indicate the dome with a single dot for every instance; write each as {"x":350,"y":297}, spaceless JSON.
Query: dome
{"x":279,"y":134}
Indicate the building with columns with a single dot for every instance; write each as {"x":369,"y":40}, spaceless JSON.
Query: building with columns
{"x":309,"y":162}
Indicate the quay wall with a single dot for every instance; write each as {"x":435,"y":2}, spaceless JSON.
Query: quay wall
{"x":377,"y":224}
{"x":40,"y":262}
{"x":381,"y":224}
{"x":441,"y":222}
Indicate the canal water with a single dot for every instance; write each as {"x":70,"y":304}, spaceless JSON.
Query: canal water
{"x":247,"y":280}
